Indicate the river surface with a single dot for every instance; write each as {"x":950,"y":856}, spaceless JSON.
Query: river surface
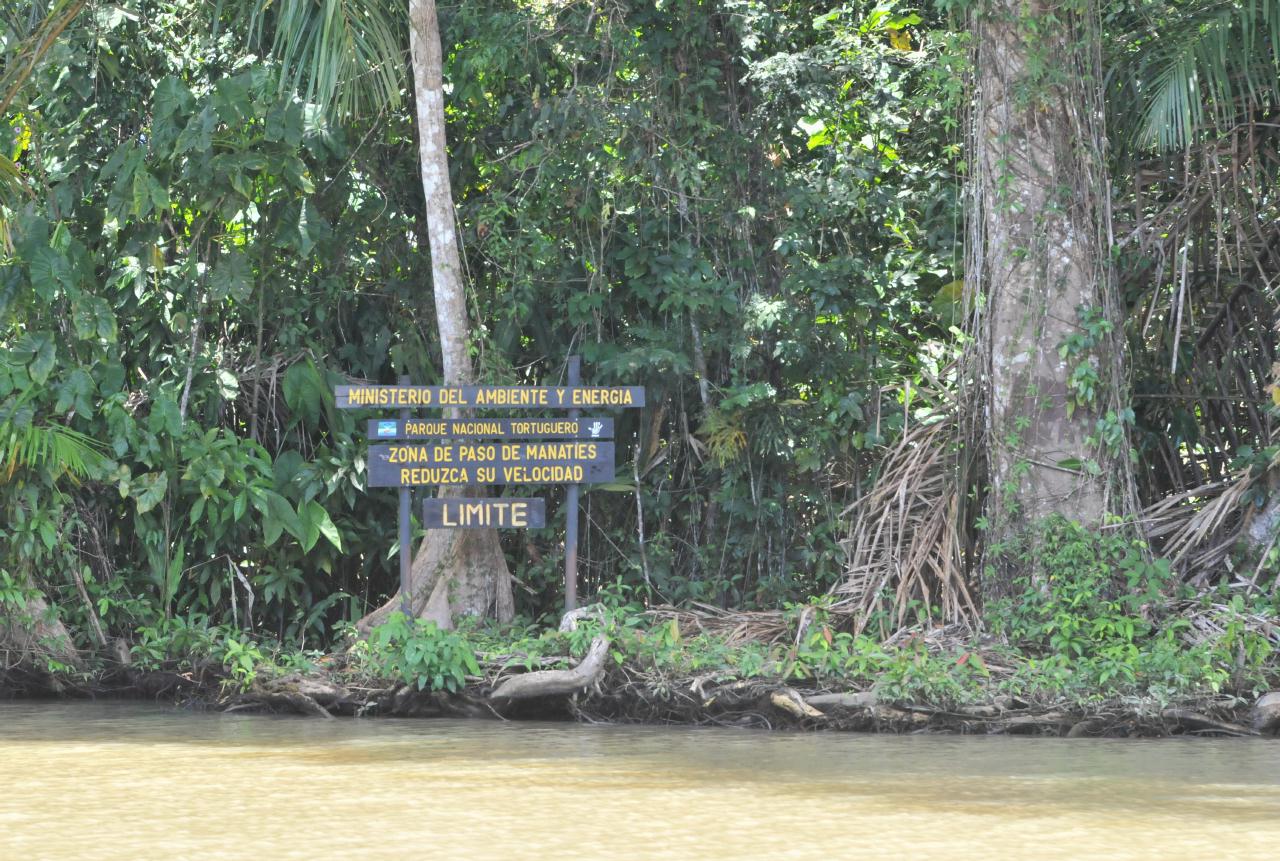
{"x":122,"y":781}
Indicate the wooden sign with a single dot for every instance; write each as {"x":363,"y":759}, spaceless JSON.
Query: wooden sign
{"x":491,"y":428}
{"x":488,"y":397}
{"x":501,"y":513}
{"x":416,"y":464}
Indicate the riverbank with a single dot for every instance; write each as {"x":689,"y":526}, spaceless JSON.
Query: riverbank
{"x":1210,"y":674}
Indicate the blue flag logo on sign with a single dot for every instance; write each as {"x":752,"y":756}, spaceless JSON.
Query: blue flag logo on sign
{"x":386,"y":429}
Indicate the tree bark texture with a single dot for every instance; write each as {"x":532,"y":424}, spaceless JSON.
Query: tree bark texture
{"x":31,"y":635}
{"x":455,"y":571}
{"x":1038,"y":252}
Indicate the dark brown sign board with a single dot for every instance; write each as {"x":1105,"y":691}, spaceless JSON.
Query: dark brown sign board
{"x":501,"y":513}
{"x":488,"y":397}
{"x":558,"y":428}
{"x":416,"y":464}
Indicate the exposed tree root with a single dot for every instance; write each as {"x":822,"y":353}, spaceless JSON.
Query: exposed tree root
{"x":549,"y":683}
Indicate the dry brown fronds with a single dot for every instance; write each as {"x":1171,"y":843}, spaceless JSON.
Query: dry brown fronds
{"x":905,"y":540}
{"x":735,"y":627}
{"x":1198,"y":530}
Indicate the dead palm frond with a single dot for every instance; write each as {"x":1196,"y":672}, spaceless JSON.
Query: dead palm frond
{"x":905,"y":542}
{"x":19,"y":62}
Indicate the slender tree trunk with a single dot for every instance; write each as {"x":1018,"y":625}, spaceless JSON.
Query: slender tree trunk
{"x":1040,"y":221}
{"x":460,"y":571}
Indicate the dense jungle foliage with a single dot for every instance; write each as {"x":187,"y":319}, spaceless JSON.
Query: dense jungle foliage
{"x":755,"y":210}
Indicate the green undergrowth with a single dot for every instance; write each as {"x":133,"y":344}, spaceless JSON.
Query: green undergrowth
{"x":1066,"y":643}
{"x":1096,"y":620}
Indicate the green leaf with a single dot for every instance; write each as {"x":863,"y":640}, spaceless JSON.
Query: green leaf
{"x":174,"y":573}
{"x":271,"y":530}
{"x":280,"y":511}
{"x":42,"y":363}
{"x":171,"y":97}
{"x":613,"y":487}
{"x":75,"y":393}
{"x":142,"y":203}
{"x":311,"y":536}
{"x":165,"y":417}
{"x":198,"y":134}
{"x":49,"y":271}
{"x":148,"y":490}
{"x":171,"y":100}
{"x":231,"y":279}
{"x":304,"y":391}
{"x":321,"y":518}
{"x":232,"y":100}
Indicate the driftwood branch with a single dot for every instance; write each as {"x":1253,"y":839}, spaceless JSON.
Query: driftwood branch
{"x":545,"y":683}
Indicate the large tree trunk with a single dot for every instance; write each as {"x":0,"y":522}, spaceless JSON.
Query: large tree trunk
{"x":31,"y":638}
{"x":456,"y":571}
{"x":1040,"y":222}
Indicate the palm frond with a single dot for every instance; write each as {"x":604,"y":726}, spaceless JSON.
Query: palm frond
{"x":54,"y":448}
{"x":1207,"y":65}
{"x":20,"y":61}
{"x":348,"y":56}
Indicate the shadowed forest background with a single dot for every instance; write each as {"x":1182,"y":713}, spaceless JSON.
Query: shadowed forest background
{"x":764,"y":213}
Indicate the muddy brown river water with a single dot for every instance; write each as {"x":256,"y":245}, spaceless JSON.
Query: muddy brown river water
{"x":122,"y":781}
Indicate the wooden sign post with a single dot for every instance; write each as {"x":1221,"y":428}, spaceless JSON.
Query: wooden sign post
{"x":424,"y":452}
{"x":406,"y":536}
{"x":571,"y":511}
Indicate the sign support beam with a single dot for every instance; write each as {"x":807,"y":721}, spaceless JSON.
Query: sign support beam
{"x":571,"y":510}
{"x":406,"y":537}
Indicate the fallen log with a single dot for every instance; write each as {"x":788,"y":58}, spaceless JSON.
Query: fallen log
{"x":787,"y":700}
{"x":1187,"y":719}
{"x":547,"y":683}
{"x":850,"y":700}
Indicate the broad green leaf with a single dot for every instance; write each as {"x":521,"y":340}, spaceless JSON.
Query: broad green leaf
{"x":148,"y":490}
{"x":165,"y":418}
{"x":171,"y":97}
{"x":197,"y":136}
{"x":230,"y":279}
{"x":280,"y":511}
{"x":76,"y":393}
{"x":49,"y":271}
{"x":321,"y":518}
{"x":42,"y":363}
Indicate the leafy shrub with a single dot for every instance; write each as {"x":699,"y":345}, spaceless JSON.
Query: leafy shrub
{"x":419,"y":653}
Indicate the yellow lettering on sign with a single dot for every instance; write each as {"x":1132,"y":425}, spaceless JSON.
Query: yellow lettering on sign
{"x":561,"y":450}
{"x":602,"y":398}
{"x":387,"y":396}
{"x":543,"y":474}
{"x":435,"y":475}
